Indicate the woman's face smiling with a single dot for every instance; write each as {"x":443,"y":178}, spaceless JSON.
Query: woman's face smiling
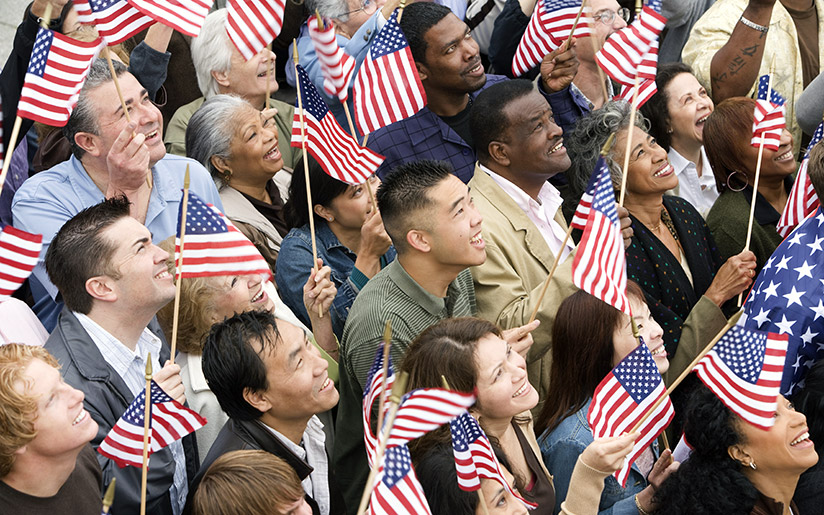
{"x":503,"y":387}
{"x":649,"y":170}
{"x":688,"y":105}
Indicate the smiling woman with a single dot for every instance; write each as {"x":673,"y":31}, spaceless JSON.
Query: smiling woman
{"x":239,"y":146}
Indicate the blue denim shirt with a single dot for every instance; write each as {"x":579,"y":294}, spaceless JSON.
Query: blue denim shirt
{"x":560,"y":450}
{"x":295,"y":261}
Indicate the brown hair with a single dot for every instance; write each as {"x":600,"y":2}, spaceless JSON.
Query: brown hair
{"x":815,"y":169}
{"x":197,"y":296}
{"x":726,"y":132}
{"x":18,"y":411}
{"x":251,"y":482}
{"x":582,"y":350}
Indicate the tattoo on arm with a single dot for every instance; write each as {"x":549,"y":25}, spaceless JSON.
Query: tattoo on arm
{"x":736,"y":64}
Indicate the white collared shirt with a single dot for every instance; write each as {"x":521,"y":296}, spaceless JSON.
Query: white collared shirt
{"x":131,"y":367}
{"x":698,"y":191}
{"x":313,"y":452}
{"x":541,"y":212}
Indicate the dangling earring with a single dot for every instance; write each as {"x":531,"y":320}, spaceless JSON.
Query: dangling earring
{"x":227,"y":176}
{"x":730,"y":176}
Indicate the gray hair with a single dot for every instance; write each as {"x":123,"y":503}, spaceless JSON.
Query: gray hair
{"x":329,"y":8}
{"x":84,"y":115}
{"x":589,"y":135}
{"x":210,"y":130}
{"x":212,"y":52}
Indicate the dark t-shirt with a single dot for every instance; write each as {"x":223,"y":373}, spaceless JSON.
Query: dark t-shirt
{"x":79,"y":495}
{"x":274,"y":211}
{"x":806,"y":25}
{"x":460,"y":123}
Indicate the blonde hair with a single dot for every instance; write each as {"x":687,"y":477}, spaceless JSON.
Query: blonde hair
{"x":247,"y":483}
{"x":197,"y":306}
{"x":18,"y":410}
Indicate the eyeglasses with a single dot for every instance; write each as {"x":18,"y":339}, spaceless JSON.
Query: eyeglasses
{"x":608,"y":16}
{"x":365,"y":6}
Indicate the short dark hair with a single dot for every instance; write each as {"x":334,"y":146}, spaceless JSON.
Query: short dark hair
{"x":655,"y":109}
{"x":815,"y":169}
{"x":417,"y":19}
{"x":79,"y":251}
{"x":404,"y":192}
{"x":325,"y":189}
{"x":233,"y":360}
{"x":84,"y":117}
{"x":487,"y":120}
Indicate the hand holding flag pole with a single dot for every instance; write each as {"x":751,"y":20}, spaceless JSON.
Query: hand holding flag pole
{"x":18,"y":121}
{"x":306,"y":171}
{"x":179,"y":264}
{"x":731,"y":322}
{"x":569,"y":39}
{"x":757,"y":175}
{"x":398,"y":389}
{"x":147,"y":419}
{"x":604,"y":152}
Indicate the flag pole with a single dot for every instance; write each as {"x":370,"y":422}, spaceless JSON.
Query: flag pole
{"x":603,"y":79}
{"x":306,"y":171}
{"x":268,"y":74}
{"x":757,"y":175}
{"x":604,"y":151}
{"x":179,"y":265}
{"x":18,"y":121}
{"x":400,"y":10}
{"x":387,"y":338}
{"x":572,"y":30}
{"x":481,"y":500}
{"x":108,"y":497}
{"x":628,"y":148}
{"x":147,"y":416}
{"x":731,"y":322}
{"x":398,"y":390}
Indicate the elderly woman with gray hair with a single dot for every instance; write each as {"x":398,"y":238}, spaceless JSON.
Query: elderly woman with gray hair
{"x":221,"y":69}
{"x":239,"y":145}
{"x":673,"y":256}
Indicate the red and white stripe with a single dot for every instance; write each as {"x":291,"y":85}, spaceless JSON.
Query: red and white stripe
{"x":116,"y":23}
{"x":337,"y":66}
{"x":646,"y":75}
{"x":184,"y":16}
{"x":253,"y":24}
{"x":769,"y":124}
{"x":546,"y":30}
{"x":624,"y":50}
{"x":424,"y":410}
{"x":19,"y":252}
{"x":802,"y":202}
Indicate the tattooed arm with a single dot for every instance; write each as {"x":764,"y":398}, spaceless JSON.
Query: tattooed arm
{"x":735,"y":66}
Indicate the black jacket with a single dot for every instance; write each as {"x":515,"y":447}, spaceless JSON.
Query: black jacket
{"x":238,"y":435}
{"x":107,"y":398}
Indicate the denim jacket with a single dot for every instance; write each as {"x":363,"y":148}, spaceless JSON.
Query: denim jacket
{"x":560,"y":450}
{"x":295,"y":261}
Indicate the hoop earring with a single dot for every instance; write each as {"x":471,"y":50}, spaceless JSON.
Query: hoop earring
{"x":730,"y":176}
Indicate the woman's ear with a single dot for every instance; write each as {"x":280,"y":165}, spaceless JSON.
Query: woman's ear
{"x":740,"y":455}
{"x":323,"y":212}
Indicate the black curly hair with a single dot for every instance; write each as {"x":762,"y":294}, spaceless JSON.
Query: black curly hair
{"x":710,"y":481}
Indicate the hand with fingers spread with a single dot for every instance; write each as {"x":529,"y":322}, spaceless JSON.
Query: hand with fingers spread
{"x":559,"y":67}
{"x":520,"y":338}
{"x":128,"y":162}
{"x":168,"y":379}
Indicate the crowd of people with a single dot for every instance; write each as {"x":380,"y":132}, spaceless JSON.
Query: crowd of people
{"x":451,"y":242}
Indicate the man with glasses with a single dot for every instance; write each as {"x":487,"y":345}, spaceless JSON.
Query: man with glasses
{"x":356,"y":23}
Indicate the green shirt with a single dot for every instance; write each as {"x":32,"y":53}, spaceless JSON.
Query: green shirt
{"x":390,"y":295}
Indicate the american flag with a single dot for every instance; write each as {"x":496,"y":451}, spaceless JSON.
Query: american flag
{"x":336,"y":150}
{"x":184,"y":16}
{"x":474,"y":457}
{"x":387,"y":87}
{"x":803,"y":200}
{"x":398,"y":489}
{"x":374,"y":391}
{"x":115,"y":20}
{"x":337,"y":66}
{"x":57,"y":69}
{"x":787,"y":299}
{"x":549,"y":26}
{"x":744,"y":370}
{"x":253,"y":24}
{"x":213,"y":246}
{"x":600,"y":265}
{"x":19,"y":251}
{"x":624,"y":51}
{"x":169,"y":421}
{"x":769,"y":119}
{"x":646,"y":75}
{"x":425,"y":409}
{"x":623,"y":397}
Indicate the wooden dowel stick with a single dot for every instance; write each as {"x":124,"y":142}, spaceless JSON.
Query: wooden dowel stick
{"x":549,"y":276}
{"x":574,"y":25}
{"x":108,"y":497}
{"x":387,"y":338}
{"x":147,"y":415}
{"x":731,"y":322}
{"x":628,"y":148}
{"x":311,"y":205}
{"x":15,"y":131}
{"x":179,"y":264}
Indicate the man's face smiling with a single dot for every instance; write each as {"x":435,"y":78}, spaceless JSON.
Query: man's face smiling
{"x":455,"y":237}
{"x":112,"y":119}
{"x":453,"y":60}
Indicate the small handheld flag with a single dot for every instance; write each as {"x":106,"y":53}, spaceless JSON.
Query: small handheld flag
{"x":769,"y":121}
{"x":624,"y":50}
{"x":184,"y":16}
{"x":253,"y":24}
{"x":19,"y":252}
{"x":803,"y":200}
{"x":115,"y":20}
{"x":550,"y":24}
{"x":336,"y":65}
